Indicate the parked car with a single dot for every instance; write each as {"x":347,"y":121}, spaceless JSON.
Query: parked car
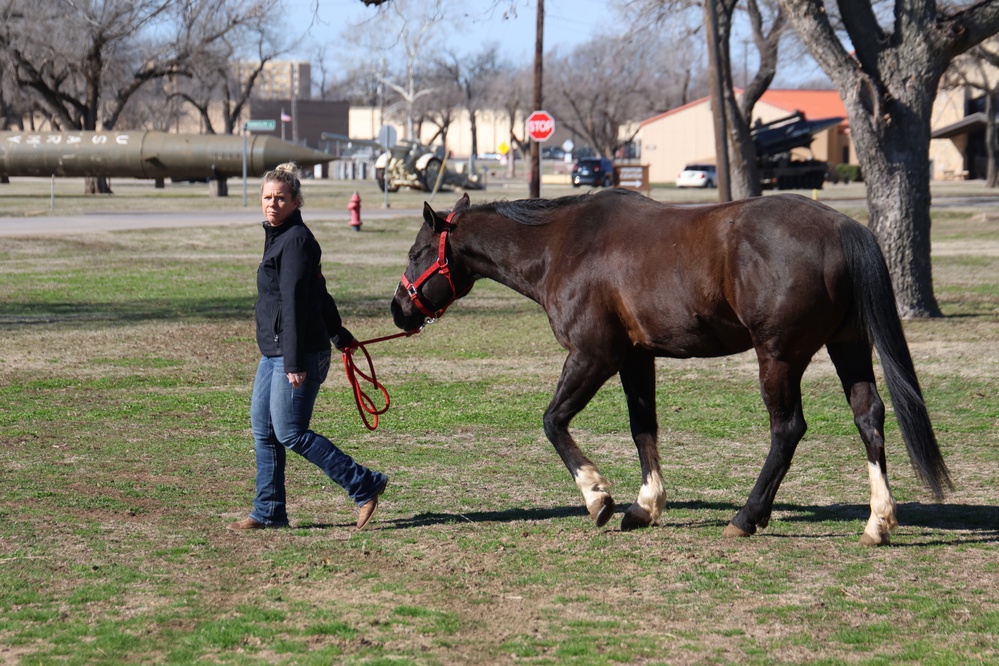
{"x":597,"y":171}
{"x":698,"y":175}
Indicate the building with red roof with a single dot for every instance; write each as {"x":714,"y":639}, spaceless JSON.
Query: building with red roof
{"x":685,"y":135}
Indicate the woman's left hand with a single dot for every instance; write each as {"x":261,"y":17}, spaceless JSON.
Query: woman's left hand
{"x":296,"y":378}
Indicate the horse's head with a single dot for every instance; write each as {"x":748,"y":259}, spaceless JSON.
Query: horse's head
{"x":432,"y":281}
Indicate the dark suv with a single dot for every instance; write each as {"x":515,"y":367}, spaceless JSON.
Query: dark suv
{"x":597,"y":171}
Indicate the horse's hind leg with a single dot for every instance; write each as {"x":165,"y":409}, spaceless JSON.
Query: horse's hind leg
{"x":780,"y":384}
{"x":856,"y":372}
{"x":638,"y":377}
{"x":580,"y":380}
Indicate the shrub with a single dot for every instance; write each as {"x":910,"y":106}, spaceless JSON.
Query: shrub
{"x":848,"y":173}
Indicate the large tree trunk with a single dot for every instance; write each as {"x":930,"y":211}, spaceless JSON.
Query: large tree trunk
{"x":746,"y":181}
{"x":744,"y":173}
{"x":716,"y":77}
{"x":899,"y":201}
{"x":992,"y":138}
{"x":893,"y":160}
{"x":888,"y":83}
{"x":475,"y":132}
{"x":743,"y":163}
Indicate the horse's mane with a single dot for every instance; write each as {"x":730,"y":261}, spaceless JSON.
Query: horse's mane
{"x":538,"y":211}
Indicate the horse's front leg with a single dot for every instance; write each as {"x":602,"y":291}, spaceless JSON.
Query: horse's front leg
{"x":581,"y":379}
{"x":638,"y":377}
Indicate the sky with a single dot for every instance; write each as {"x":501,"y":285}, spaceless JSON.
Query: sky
{"x":568,"y":23}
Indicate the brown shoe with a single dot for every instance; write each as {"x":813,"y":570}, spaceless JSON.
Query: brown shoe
{"x":251,"y":524}
{"x":368,"y":508}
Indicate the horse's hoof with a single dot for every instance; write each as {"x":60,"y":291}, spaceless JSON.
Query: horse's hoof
{"x":602,"y":510}
{"x":635,"y":518}
{"x":867,"y":540}
{"x":732,"y":531}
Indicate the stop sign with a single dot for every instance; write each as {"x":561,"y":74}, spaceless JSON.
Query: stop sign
{"x":540,"y":126}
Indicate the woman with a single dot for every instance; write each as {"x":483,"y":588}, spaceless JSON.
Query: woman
{"x":296,"y":318}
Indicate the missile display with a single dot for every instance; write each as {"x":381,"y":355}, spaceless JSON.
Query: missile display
{"x":158,"y":155}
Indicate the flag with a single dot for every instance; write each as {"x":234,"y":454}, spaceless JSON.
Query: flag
{"x":285,"y":118}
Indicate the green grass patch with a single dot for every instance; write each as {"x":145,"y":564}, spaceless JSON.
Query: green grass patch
{"x":125,"y":369}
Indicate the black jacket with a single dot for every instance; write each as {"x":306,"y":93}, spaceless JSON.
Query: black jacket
{"x":295,"y":314}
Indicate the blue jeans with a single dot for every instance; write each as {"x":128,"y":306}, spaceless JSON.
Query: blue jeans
{"x":279,"y":416}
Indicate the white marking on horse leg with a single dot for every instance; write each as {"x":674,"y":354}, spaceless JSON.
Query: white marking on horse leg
{"x":652,"y":497}
{"x":882,"y":518}
{"x":591,"y":483}
{"x":594,"y":488}
{"x":649,"y":507}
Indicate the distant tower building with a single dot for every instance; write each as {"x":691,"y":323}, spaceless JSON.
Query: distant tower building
{"x":280,"y":79}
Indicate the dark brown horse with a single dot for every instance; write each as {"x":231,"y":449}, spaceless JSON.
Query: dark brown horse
{"x":625,"y":279}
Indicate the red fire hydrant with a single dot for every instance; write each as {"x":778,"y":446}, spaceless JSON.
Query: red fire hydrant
{"x":355,"y":211}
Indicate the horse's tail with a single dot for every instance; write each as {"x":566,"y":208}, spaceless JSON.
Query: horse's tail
{"x":878,"y":313}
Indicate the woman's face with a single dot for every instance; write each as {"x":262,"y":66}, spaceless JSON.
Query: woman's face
{"x":277,"y":202}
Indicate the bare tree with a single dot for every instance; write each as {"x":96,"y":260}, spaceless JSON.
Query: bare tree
{"x":603,"y":84}
{"x":510,"y":91}
{"x":441,"y":108}
{"x":978,"y":69}
{"x":766,"y":25}
{"x":359,"y":85}
{"x":224,"y":77}
{"x":888,"y":80}
{"x":84,"y":61}
{"x":472,"y":77}
{"x":406,"y":36}
{"x":15,"y":105}
{"x":324,"y":85}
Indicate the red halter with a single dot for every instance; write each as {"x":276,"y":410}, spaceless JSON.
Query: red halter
{"x":439,"y":267}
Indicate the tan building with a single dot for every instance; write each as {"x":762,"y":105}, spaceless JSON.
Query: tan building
{"x":949,"y":142}
{"x":492,"y":130}
{"x":686,"y":135}
{"x":280,"y":79}
{"x":957,"y":144}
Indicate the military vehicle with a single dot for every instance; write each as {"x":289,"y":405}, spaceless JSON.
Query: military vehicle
{"x":775,"y":140}
{"x":414,"y":165}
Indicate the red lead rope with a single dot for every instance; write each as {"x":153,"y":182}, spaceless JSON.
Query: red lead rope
{"x":365,"y":405}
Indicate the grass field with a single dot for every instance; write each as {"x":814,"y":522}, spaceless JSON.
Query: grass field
{"x":126,"y":362}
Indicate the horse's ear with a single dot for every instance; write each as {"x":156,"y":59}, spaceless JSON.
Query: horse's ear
{"x":430,"y":217}
{"x":463,"y":202}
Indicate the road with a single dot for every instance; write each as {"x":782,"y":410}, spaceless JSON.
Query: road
{"x":946,"y":196}
{"x":118,"y":221}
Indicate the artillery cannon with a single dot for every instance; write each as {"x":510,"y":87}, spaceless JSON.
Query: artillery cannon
{"x":411,"y":164}
{"x":775,"y":141}
{"x":407,"y":164}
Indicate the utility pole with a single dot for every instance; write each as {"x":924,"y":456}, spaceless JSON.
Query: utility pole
{"x":534,"y":179}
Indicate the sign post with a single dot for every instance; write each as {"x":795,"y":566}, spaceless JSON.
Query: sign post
{"x":540,"y":126}
{"x":386,"y":138}
{"x":253,"y":126}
